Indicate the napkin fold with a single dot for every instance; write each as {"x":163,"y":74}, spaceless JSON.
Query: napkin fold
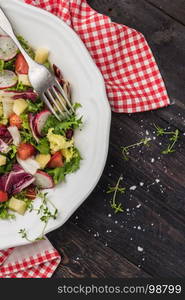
{"x":131,"y":75}
{"x":37,"y":260}
{"x":133,"y":83}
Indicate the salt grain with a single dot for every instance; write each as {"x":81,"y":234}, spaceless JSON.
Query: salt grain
{"x":133,"y":188}
{"x":141,"y":183}
{"x":140,"y":249}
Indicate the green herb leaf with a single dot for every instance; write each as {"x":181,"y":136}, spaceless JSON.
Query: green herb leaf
{"x":117,"y":207}
{"x":43,"y":146}
{"x":125,"y":149}
{"x":10,"y":65}
{"x":1,"y":65}
{"x":60,"y":127}
{"x":73,"y":165}
{"x":20,"y":87}
{"x":34,"y":107}
{"x":26,"y":46}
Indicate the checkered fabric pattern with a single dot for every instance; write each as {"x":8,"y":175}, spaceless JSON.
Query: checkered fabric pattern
{"x":132,"y":78}
{"x":133,"y":84}
{"x":37,"y":260}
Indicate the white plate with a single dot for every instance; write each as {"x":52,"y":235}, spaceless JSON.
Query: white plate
{"x":68,"y":52}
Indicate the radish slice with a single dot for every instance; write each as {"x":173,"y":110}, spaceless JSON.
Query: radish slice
{"x":43,"y":180}
{"x":7,"y":79}
{"x":8,"y":49}
{"x":15,"y":135}
{"x":31,"y":122}
{"x":30,"y":165}
{"x":40,"y":121}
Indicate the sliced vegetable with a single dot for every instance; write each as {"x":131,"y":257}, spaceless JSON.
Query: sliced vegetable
{"x":43,"y":180}
{"x":17,"y":205}
{"x":40,"y":121}
{"x":41,"y":55}
{"x":15,"y":135}
{"x":31,"y":193}
{"x":7,"y":107}
{"x":8,"y":49}
{"x":19,"y":106}
{"x":21,"y":65}
{"x":5,"y":134}
{"x":17,"y":180}
{"x":3,"y":196}
{"x":2,"y":160}
{"x":15,"y":120}
{"x":29,"y":165}
{"x":31,"y":122}
{"x":4,"y":148}
{"x":24,"y":79}
{"x":26,"y":95}
{"x":25,"y":151}
{"x":56,"y":160}
{"x":43,"y":160}
{"x":7,"y":79}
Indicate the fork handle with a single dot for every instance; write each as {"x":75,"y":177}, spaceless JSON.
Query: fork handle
{"x":7,"y":27}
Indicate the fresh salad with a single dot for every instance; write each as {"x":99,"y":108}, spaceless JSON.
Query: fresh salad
{"x":36,"y":150}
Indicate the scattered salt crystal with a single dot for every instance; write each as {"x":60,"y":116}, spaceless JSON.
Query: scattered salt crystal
{"x":147,"y":132}
{"x":139,"y":205}
{"x":109,"y":215}
{"x":140,"y":249}
{"x":116,"y":222}
{"x":154,"y":138}
{"x":152,"y":160}
{"x":157,"y":180}
{"x":139,"y":227}
{"x":133,"y":188}
{"x":152,"y":224}
{"x":76,"y":217}
{"x":106,"y":244}
{"x":131,"y":238}
{"x":143,"y":258}
{"x":127,"y":209}
{"x":141,"y":183}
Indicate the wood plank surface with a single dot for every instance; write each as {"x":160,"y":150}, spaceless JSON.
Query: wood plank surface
{"x":85,"y":257}
{"x":148,"y":238}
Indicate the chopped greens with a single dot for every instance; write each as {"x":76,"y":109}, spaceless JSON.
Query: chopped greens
{"x":73,"y":165}
{"x":26,"y":46}
{"x":43,"y":146}
{"x":61,"y":127}
{"x":36,"y":106}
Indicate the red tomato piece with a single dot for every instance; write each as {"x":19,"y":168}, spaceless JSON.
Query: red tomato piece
{"x":56,"y":160}
{"x":25,"y":151}
{"x":21,"y":66}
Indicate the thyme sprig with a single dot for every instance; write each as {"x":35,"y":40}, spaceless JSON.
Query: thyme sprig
{"x":118,"y":208}
{"x":45,"y":215}
{"x":173,"y":139}
{"x":125,"y":149}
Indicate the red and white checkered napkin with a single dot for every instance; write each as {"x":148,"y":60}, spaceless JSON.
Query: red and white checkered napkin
{"x":131,"y":75}
{"x":37,"y":260}
{"x":133,"y":83}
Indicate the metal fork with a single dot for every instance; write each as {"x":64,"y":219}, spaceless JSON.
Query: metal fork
{"x":42,"y":80}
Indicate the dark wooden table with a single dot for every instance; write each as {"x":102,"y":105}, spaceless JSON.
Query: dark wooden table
{"x":148,"y":238}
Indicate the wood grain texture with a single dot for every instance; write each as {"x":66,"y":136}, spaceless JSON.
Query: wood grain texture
{"x":175,"y":9}
{"x":83,"y":256}
{"x":151,"y":231}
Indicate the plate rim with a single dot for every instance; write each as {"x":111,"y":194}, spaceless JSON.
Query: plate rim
{"x":104,"y":99}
